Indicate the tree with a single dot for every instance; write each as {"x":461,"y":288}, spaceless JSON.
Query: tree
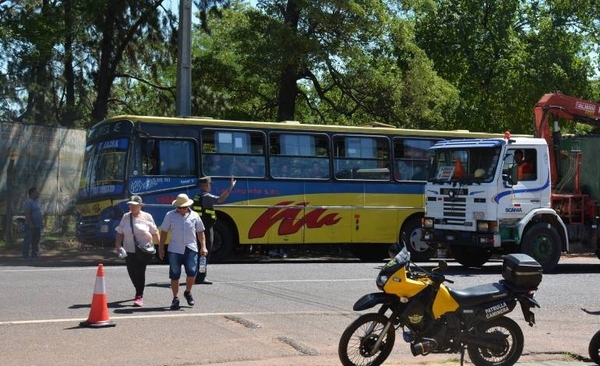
{"x":324,"y":62}
{"x":504,"y":55}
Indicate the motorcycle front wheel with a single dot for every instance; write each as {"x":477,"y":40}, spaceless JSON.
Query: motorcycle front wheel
{"x":357,"y":344}
{"x":507,"y":337}
{"x":594,"y":348}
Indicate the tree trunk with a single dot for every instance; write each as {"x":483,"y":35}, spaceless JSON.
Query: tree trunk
{"x":70,"y":113}
{"x":288,"y":89}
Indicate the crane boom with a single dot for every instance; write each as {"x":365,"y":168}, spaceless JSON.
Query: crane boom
{"x":561,"y":106}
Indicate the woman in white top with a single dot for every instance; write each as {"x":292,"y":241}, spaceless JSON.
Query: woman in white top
{"x":145,"y":231}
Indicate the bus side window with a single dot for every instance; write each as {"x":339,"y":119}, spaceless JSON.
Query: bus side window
{"x":360,"y":158}
{"x":178,"y":157}
{"x":299,"y":155}
{"x":410,"y":158}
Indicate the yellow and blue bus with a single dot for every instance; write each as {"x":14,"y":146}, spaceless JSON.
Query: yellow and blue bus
{"x":296,"y":183}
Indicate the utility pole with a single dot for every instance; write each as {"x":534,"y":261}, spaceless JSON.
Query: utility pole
{"x":184,"y":60}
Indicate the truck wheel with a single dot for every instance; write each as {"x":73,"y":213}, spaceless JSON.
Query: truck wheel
{"x":542,"y":243}
{"x":419,"y":250}
{"x":471,"y":257}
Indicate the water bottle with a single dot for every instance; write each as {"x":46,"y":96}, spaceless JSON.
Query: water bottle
{"x":202,"y":266}
{"x":122,"y":253}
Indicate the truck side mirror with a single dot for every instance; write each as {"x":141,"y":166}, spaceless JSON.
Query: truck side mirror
{"x":514,"y":174}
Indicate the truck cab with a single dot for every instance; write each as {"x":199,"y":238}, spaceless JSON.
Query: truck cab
{"x":492,"y":196}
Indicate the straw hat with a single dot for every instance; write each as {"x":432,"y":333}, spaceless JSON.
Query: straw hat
{"x":182,"y":201}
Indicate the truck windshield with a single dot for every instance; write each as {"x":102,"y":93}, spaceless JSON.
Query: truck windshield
{"x":104,"y":164}
{"x":465,"y":165}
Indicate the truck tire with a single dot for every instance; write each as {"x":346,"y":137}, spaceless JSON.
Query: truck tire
{"x":419,"y":250}
{"x":542,"y":243}
{"x":471,"y":257}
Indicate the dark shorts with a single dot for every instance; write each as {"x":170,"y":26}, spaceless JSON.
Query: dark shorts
{"x":189,"y":260}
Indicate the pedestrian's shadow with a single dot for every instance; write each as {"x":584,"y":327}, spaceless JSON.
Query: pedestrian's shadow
{"x":112,"y":305}
{"x":136,"y":310}
{"x":596,"y":312}
{"x":163,"y":284}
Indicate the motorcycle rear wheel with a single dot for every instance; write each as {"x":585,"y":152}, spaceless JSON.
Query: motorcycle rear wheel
{"x":510,"y":343}
{"x":594,"y":348}
{"x":357,"y":341}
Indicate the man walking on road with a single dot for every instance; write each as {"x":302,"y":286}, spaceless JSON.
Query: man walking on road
{"x":204,"y":205}
{"x":186,"y":231}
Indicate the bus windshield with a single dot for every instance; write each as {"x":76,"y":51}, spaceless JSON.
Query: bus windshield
{"x":104,"y":168}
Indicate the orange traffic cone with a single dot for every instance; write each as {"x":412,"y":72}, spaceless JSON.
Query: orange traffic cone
{"x":459,"y":171}
{"x":99,"y":310}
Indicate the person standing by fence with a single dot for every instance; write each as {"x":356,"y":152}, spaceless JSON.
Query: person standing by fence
{"x":34,"y":222}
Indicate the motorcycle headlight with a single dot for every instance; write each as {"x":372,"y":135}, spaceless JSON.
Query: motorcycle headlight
{"x":381,"y":280}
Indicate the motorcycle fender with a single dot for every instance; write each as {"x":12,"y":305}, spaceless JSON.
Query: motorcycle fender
{"x":370,"y":300}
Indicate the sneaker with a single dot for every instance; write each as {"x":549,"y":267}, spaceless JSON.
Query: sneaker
{"x":138,"y":302}
{"x":175,"y":304}
{"x":189,"y":298}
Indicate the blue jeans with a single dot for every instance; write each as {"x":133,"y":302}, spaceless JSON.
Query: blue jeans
{"x":189,"y":260}
{"x":32,"y":239}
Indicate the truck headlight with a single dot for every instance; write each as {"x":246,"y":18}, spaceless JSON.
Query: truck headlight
{"x":428,"y":223}
{"x":487,"y":226}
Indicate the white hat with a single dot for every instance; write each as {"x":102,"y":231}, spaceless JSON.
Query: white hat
{"x":182,"y":201}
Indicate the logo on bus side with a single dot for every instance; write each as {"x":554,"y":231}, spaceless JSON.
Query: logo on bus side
{"x":289,"y":223}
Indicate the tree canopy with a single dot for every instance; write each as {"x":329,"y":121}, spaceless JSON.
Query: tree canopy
{"x":432,"y":64}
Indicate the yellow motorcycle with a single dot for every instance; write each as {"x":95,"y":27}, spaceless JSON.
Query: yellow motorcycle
{"x":435,"y":318}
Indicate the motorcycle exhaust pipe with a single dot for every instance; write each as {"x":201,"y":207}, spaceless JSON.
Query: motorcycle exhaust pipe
{"x":423,"y":348}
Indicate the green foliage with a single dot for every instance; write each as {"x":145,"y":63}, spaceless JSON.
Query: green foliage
{"x":504,"y":55}
{"x":437,"y":64}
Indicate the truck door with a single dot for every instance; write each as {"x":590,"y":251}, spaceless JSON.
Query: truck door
{"x":527,"y":193}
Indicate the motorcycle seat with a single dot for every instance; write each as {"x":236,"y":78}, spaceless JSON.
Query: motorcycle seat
{"x":476,"y":295}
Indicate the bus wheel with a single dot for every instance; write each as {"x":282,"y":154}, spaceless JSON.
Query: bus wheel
{"x":542,"y":243}
{"x":222,"y":243}
{"x":419,"y":250}
{"x":471,"y":257}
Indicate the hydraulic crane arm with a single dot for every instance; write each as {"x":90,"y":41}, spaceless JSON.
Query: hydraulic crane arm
{"x":561,"y":106}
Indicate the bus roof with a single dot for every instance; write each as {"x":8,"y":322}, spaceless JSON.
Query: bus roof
{"x":373,"y":128}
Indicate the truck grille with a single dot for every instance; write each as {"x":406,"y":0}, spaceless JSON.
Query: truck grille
{"x":455,"y":207}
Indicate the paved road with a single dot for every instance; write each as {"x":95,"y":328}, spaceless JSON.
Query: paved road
{"x":267,"y":313}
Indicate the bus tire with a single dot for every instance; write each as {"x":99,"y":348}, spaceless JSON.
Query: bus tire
{"x":471,"y":257}
{"x":419,"y":250}
{"x":223,"y":242}
{"x":543,"y":244}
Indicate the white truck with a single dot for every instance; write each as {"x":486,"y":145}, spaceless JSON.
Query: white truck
{"x":477,"y":205}
{"x":479,"y":201}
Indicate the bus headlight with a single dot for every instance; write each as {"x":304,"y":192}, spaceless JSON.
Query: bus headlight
{"x":428,"y":223}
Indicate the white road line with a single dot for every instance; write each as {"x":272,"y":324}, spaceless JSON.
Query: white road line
{"x":177,"y":315}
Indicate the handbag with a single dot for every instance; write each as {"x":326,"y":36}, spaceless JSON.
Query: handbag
{"x":143,"y":254}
